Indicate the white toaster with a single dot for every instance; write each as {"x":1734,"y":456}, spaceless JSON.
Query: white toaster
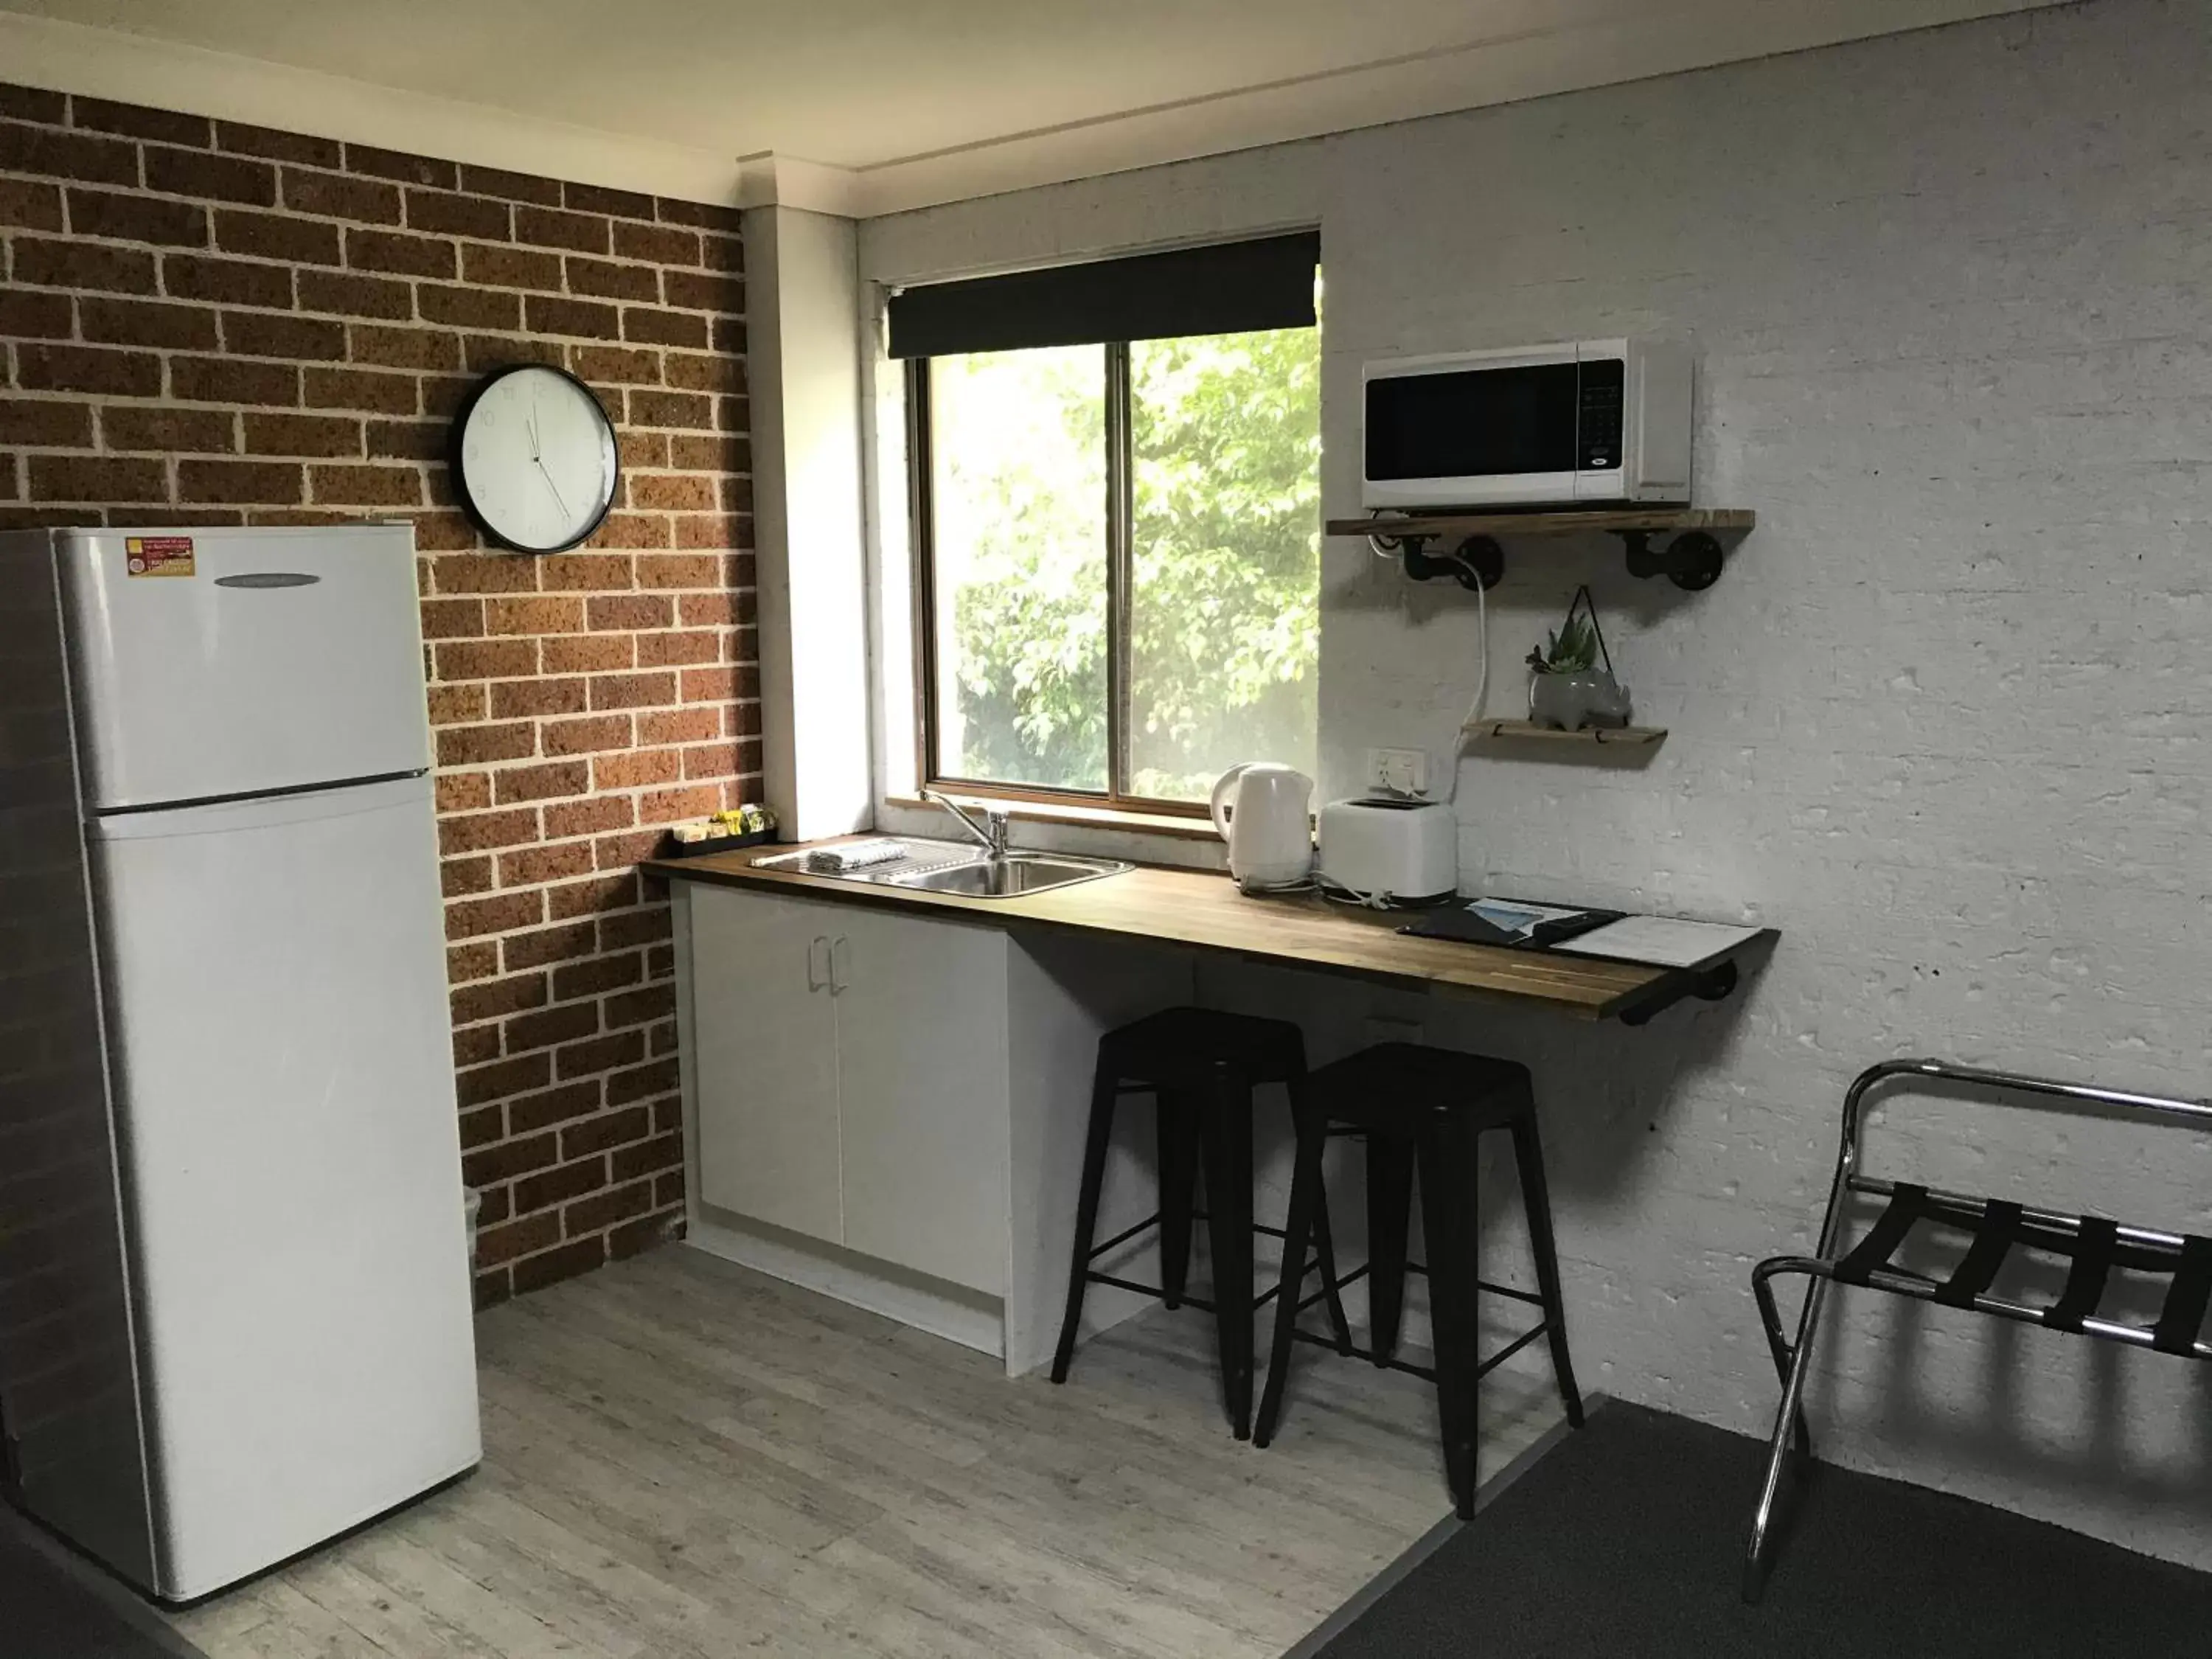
{"x":1402,"y":850}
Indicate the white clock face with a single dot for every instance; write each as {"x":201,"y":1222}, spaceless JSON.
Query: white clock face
{"x":537,"y":460}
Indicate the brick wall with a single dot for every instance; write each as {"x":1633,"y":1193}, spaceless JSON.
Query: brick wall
{"x":216,"y":324}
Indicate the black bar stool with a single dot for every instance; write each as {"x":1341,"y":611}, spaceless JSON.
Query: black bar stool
{"x":1200,"y":1067}
{"x":1426,"y":1108}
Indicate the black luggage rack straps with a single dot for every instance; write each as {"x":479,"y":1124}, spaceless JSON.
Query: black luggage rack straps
{"x":2094,"y":1245}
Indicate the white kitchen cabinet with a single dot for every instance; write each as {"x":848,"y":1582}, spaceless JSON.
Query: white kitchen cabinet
{"x":921,"y":1071}
{"x":851,"y":1074}
{"x":764,"y":1059}
{"x":889,"y":1107}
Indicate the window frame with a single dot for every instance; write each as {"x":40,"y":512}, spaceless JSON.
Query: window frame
{"x":1120,"y":578}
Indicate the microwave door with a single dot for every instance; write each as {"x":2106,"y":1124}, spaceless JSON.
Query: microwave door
{"x":1498,"y":432}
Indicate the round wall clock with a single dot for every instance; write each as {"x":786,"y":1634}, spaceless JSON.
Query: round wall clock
{"x":534,"y":458}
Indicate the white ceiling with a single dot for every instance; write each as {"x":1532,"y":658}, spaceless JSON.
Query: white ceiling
{"x":890,"y":103}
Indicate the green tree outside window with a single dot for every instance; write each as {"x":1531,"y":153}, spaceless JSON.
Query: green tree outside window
{"x":1224,"y":562}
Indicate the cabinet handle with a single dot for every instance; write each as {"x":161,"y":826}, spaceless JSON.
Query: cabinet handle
{"x":817,"y":963}
{"x":840,"y":966}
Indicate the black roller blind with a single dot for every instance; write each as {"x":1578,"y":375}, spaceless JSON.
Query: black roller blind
{"x":1230,"y":287}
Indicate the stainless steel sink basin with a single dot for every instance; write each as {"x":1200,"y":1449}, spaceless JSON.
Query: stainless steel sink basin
{"x":942,"y":866}
{"x":1011,"y":877}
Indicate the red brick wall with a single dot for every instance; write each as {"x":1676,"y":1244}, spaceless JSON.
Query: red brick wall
{"x":211,"y":324}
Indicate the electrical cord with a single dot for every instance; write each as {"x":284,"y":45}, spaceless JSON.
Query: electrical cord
{"x":1387,"y":548}
{"x":1338,"y":894}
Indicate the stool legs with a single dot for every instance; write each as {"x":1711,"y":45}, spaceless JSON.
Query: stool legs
{"x":1309,"y":1205}
{"x":1339,"y":1326}
{"x":1445,"y":1153}
{"x":1451,"y":1226}
{"x":1390,"y":1207}
{"x":1103,"y":1088}
{"x":1178,"y":1165}
{"x":1225,"y":1137}
{"x":1536,"y":1199}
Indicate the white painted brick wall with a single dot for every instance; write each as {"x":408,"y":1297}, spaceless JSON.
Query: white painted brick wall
{"x":1943,"y":722}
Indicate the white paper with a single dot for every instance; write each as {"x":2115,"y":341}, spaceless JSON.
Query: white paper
{"x":1663,"y":941}
{"x":1511,"y":916}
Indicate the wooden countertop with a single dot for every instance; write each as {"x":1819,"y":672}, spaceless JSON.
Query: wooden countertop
{"x":1205,"y":911}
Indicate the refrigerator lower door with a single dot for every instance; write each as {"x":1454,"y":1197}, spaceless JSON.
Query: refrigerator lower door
{"x":291,"y":1168}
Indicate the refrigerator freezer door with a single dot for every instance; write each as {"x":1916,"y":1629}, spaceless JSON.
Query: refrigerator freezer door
{"x":291,"y":1168}
{"x":237,"y":662}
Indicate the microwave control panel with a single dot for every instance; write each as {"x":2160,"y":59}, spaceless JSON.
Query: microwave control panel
{"x":1602,"y":385}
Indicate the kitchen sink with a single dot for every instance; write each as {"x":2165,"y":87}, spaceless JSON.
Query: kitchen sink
{"x":1009,"y":877}
{"x":943,"y":866}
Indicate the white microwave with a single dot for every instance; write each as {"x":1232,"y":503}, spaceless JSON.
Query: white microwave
{"x":1584,"y":422}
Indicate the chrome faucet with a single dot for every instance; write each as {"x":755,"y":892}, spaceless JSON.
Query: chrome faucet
{"x":992,"y":832}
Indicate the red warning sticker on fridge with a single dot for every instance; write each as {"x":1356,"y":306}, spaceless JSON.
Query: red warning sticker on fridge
{"x":158,"y":556}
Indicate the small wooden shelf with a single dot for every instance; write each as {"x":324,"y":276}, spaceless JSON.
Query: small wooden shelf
{"x":1626,"y":737}
{"x":1692,"y":560}
{"x":1564,"y":522}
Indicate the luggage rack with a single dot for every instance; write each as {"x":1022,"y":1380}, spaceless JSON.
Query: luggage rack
{"x":2093,"y":1245}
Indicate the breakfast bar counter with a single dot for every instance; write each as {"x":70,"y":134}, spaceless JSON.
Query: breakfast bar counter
{"x":1206,"y":911}
{"x":885,"y":1085}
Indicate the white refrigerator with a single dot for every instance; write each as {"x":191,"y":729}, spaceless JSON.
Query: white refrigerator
{"x":234,"y":1298}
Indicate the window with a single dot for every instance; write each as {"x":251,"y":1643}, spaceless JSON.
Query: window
{"x":1119,"y":540}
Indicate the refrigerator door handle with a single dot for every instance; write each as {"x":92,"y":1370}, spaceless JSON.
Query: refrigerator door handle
{"x":817,"y":963}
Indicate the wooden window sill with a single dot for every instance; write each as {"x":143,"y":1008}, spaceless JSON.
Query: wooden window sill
{"x":1089,"y":818}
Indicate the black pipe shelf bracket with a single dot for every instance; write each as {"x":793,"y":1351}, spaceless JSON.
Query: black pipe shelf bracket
{"x":1691,"y":558}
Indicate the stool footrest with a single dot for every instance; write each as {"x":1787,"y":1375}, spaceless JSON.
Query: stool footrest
{"x":1154,"y":1220}
{"x":1123,"y":1236}
{"x":1204,"y":1304}
{"x":1360,"y":1272}
{"x":1427,"y":1372}
{"x":1159,"y":1294}
{"x":1259,"y":1227}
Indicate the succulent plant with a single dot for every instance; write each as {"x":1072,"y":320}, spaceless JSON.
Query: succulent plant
{"x":1572,"y":649}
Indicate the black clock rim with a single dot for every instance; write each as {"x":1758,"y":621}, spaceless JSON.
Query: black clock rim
{"x":460,"y":474}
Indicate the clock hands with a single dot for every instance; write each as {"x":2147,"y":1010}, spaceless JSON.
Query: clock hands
{"x":555,"y":489}
{"x":537,"y":455}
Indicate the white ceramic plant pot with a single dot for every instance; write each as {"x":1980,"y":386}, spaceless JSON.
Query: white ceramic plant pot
{"x":1588,"y":696}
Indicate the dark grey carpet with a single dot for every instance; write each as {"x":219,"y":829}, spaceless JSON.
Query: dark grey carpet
{"x":53,"y":1606}
{"x":1625,"y":1542}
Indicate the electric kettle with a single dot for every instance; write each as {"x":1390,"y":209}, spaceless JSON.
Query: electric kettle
{"x":1262,"y":811}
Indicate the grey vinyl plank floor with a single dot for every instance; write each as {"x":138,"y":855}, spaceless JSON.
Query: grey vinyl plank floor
{"x":685,"y":1459}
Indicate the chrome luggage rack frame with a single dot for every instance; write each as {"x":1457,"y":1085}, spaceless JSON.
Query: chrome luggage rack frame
{"x":2093,"y":1244}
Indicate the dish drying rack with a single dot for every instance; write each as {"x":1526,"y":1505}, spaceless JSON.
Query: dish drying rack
{"x":880,"y":860}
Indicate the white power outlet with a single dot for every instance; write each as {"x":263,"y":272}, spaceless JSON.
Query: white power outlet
{"x":1400,"y":771}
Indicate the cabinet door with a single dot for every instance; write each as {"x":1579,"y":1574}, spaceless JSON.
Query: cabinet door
{"x":765,"y":1058}
{"x":922,"y":1051}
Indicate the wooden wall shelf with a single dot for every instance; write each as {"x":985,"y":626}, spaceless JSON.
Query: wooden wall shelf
{"x":1692,"y":559}
{"x":1623,"y":736}
{"x":1566,"y":521}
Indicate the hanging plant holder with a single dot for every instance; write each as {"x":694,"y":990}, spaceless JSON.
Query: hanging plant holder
{"x":1566,"y":688}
